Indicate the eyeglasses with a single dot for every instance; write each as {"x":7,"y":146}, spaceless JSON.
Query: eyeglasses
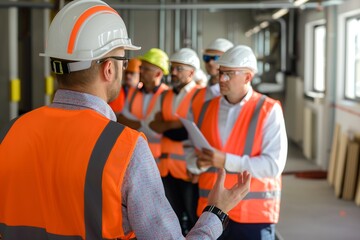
{"x":179,"y":68}
{"x":124,"y":59}
{"x":228,"y":74}
{"x":208,"y":58}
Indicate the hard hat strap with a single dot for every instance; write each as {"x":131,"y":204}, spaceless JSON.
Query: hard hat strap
{"x":59,"y":67}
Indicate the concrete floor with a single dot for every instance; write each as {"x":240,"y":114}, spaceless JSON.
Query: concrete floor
{"x":309,"y":208}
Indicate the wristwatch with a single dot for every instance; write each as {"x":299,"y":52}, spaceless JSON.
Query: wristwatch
{"x":224,"y":218}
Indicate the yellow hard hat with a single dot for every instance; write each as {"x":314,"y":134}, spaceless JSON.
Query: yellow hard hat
{"x":158,"y":58}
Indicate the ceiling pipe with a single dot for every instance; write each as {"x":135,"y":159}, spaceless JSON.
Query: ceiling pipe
{"x":186,"y":6}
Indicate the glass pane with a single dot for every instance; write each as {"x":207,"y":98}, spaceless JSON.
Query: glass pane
{"x":267,"y":43}
{"x":352,"y":52}
{"x":260,"y":50}
{"x":357,"y":61}
{"x":319,"y":58}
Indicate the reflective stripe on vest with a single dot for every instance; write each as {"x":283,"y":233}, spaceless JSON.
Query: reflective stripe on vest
{"x":21,"y":232}
{"x":96,"y":203}
{"x":261,"y":205}
{"x":252,"y":129}
{"x":173,"y":156}
{"x":93,"y":181}
{"x":251,"y":195}
{"x":202,"y":113}
{"x":197,"y":103}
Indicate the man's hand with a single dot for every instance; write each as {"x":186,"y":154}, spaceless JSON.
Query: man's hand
{"x":211,"y":158}
{"x":226,"y":199}
{"x":158,"y":117}
{"x":194,"y":178}
{"x":128,"y":122}
{"x":160,"y":126}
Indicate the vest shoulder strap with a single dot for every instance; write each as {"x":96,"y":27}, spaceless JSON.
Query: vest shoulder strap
{"x":93,"y":181}
{"x":133,"y":93}
{"x":202,"y":113}
{"x":253,"y":123}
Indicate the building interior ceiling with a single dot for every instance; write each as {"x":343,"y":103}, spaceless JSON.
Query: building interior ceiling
{"x":250,"y":3}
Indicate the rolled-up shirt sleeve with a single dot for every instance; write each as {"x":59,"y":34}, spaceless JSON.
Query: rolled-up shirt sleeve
{"x":147,"y":212}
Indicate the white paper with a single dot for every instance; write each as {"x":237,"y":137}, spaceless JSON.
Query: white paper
{"x":195,"y":135}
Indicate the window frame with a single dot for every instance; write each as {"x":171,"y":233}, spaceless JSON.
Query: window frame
{"x":309,"y":81}
{"x":346,"y":62}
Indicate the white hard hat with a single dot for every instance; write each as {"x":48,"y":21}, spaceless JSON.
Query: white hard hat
{"x":220,"y":44}
{"x":186,"y":56}
{"x":240,"y":56}
{"x":85,"y":30}
{"x":200,"y":76}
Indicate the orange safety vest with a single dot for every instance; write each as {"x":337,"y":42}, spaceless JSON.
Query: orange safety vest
{"x":172,"y":159}
{"x":118,"y":104}
{"x":198,"y":102}
{"x":66,"y":180}
{"x":135,"y":100}
{"x":262,"y":203}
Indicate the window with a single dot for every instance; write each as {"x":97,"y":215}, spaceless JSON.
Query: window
{"x":262,"y":50}
{"x":319,"y":58}
{"x":352,"y":59}
{"x":315,"y":48}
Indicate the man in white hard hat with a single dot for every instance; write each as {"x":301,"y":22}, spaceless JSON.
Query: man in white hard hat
{"x":247,"y":132}
{"x":69,"y":170}
{"x":140,"y":102}
{"x":211,"y":54}
{"x":200,"y":78}
{"x":175,"y":146}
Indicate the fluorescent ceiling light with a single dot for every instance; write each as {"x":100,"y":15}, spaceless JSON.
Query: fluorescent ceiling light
{"x":264,"y":24}
{"x":299,"y":2}
{"x":280,"y":13}
{"x":249,"y":33}
{"x":256,"y":29}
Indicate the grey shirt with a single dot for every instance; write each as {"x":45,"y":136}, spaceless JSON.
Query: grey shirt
{"x":146,"y":211}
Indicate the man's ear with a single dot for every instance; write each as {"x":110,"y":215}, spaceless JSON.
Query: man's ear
{"x":107,"y":70}
{"x":192,"y":73}
{"x":158,"y":73}
{"x":249,"y":77}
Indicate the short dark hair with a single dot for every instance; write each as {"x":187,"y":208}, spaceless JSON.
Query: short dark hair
{"x":78,"y":78}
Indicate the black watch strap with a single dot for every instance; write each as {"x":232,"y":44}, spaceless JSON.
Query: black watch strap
{"x":224,"y":218}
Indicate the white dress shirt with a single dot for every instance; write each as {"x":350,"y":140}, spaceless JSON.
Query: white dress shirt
{"x":271,"y":161}
{"x":273,"y":156}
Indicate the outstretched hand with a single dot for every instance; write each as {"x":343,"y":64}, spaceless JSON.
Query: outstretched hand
{"x":226,"y":199}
